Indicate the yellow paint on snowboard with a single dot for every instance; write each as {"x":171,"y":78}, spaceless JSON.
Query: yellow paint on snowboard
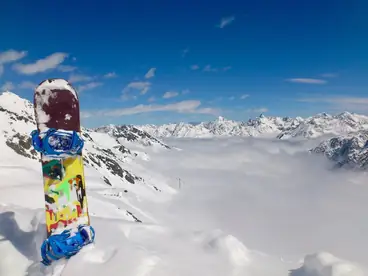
{"x":65,"y":196}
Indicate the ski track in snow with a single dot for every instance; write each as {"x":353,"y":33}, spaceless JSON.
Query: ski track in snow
{"x":258,"y":207}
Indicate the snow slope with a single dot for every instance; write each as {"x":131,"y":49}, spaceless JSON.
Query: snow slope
{"x":282,"y":128}
{"x":218,"y":207}
{"x":350,"y":150}
{"x":322,"y":124}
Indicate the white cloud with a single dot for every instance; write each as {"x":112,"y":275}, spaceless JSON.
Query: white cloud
{"x":74,"y":78}
{"x":288,"y":194}
{"x":126,"y":96}
{"x":258,"y":110}
{"x":189,"y":106}
{"x":89,"y":86}
{"x":141,"y":86}
{"x":244,"y":96}
{"x":225,"y":21}
{"x":66,"y":68}
{"x":110,"y":75}
{"x":152,"y":99}
{"x":194,"y":67}
{"x":307,"y":80}
{"x":340,"y":102}
{"x":151,"y":73}
{"x":11,"y":56}
{"x":170,"y":94}
{"x":41,"y":65}
{"x":8,"y":86}
{"x":185,"y":91}
{"x":209,"y":68}
{"x":27,"y":85}
{"x":337,"y":99}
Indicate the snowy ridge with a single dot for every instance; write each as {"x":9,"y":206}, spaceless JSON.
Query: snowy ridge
{"x":16,"y":123}
{"x":282,"y":128}
{"x":346,"y":151}
{"x":128,"y":133}
{"x":322,"y":124}
{"x":218,"y":127}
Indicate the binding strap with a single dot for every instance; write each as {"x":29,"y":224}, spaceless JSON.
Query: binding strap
{"x":57,"y":142}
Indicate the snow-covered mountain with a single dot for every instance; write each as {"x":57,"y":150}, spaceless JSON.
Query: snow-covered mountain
{"x":323,"y":123}
{"x":127,"y":133}
{"x":348,"y":151}
{"x":107,"y":155}
{"x":220,"y":127}
{"x":280,"y":127}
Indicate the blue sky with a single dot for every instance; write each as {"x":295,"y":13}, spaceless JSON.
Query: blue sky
{"x":138,"y":62}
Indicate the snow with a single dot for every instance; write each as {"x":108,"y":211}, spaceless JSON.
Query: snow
{"x":14,"y":103}
{"x":45,"y":92}
{"x":283,"y":128}
{"x":325,"y":264}
{"x":219,"y":206}
{"x":348,"y":150}
{"x":48,"y":86}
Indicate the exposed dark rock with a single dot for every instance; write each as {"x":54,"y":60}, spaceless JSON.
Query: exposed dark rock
{"x":22,"y":145}
{"x":131,"y":134}
{"x":123,"y":149}
{"x":14,"y":116}
{"x":107,"y":181}
{"x":113,"y":167}
{"x":350,"y":151}
{"x":157,"y":189}
{"x":133,"y":216}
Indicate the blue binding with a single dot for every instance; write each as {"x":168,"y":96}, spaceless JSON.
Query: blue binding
{"x":57,"y":142}
{"x":66,"y":244}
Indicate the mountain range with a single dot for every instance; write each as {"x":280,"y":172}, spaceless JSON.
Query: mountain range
{"x":345,"y":142}
{"x":280,"y":127}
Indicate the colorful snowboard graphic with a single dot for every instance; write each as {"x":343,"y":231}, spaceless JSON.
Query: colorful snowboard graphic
{"x":56,"y":106}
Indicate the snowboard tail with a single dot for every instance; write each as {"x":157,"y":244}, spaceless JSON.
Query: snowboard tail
{"x":56,"y":106}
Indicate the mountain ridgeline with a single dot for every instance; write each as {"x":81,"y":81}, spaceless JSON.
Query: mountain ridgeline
{"x":282,"y":128}
{"x":109,"y":147}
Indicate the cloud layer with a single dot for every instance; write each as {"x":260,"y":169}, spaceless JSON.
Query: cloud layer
{"x":10,"y":56}
{"x":344,"y":103}
{"x":225,"y":21}
{"x":189,"y":106}
{"x":272,"y":195}
{"x":41,"y":65}
{"x":170,"y":94}
{"x":307,"y":80}
{"x":151,"y":73}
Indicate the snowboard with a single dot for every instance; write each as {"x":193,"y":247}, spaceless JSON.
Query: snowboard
{"x":56,"y":106}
